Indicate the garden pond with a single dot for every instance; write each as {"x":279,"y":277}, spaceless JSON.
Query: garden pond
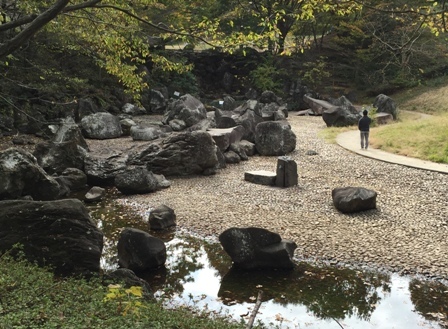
{"x":199,"y":274}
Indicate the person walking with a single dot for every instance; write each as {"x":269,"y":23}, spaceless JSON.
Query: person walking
{"x":364,"y":128}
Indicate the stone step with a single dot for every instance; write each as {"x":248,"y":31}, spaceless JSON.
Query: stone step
{"x":262,"y":177}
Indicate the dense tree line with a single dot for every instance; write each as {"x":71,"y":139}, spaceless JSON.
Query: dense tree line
{"x":384,"y":41}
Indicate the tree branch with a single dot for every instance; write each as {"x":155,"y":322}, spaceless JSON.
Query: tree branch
{"x":38,"y":23}
{"x":28,"y":19}
{"x":156,"y":26}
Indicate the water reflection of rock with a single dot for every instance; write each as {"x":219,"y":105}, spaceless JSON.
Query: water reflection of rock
{"x":326,"y":292}
{"x":430,"y":300}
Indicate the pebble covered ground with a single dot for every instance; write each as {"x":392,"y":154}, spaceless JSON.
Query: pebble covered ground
{"x":407,"y":232}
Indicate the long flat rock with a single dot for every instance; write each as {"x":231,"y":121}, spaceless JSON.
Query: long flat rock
{"x":262,"y":177}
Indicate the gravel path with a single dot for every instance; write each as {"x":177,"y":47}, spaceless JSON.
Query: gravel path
{"x":407,"y":233}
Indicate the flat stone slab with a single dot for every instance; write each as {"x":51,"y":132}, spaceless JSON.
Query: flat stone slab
{"x":262,"y":177}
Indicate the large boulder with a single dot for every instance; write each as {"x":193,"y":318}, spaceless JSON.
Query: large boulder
{"x":161,"y":218}
{"x":339,"y":116}
{"x":184,"y":112}
{"x":317,"y":106}
{"x":68,"y":131}
{"x":274,"y":138}
{"x":257,"y":248}
{"x":386,"y":104}
{"x":157,"y":103}
{"x":353,"y":199}
{"x":136,"y":180}
{"x":59,"y":234}
{"x":101,"y":125}
{"x":132,"y":109}
{"x":180,"y":154}
{"x":21,"y":175}
{"x":101,"y":169}
{"x":54,"y":157}
{"x":72,"y":179}
{"x":140,"y":251}
{"x":249,"y":120}
{"x":149,"y":133}
{"x":225,"y":137}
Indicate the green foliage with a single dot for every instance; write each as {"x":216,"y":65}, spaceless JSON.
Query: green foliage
{"x":31,"y":297}
{"x":315,"y":73}
{"x":267,"y":76}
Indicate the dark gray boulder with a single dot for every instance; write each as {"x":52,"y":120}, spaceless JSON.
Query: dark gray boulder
{"x":268,"y":97}
{"x":67,"y":149}
{"x":140,"y":251}
{"x":180,"y":154}
{"x":146,"y":133}
{"x":59,"y":234}
{"x":129,"y":279}
{"x":274,"y":138}
{"x":187,"y":111}
{"x":224,"y":119}
{"x":248,"y":147}
{"x":21,"y":175}
{"x":132,"y":109}
{"x":126,"y":126}
{"x":386,"y":104}
{"x":249,"y":120}
{"x":317,"y":106}
{"x":95,"y":194}
{"x":338,"y":116}
{"x":231,"y":157}
{"x":101,"y":125}
{"x":54,"y":158}
{"x":102,"y":169}
{"x":73,"y":179}
{"x":225,"y":137}
{"x":161,"y":218}
{"x":257,"y":248}
{"x":68,"y":131}
{"x":136,"y":180}
{"x":353,"y":199}
{"x":229,"y":103}
{"x":235,"y":147}
{"x":287,"y":175}
{"x":157,"y":102}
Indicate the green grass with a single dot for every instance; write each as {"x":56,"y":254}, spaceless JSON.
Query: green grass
{"x":430,"y":98}
{"x":413,"y":134}
{"x":31,"y":297}
{"x":425,"y":138}
{"x":330,"y":133}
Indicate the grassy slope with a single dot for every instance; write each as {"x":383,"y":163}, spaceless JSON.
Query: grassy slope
{"x":421,"y":130}
{"x":424,"y":137}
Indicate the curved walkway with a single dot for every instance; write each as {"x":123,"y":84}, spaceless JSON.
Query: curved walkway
{"x":350,"y":140}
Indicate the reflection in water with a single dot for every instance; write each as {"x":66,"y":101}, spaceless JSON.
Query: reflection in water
{"x":200,"y":274}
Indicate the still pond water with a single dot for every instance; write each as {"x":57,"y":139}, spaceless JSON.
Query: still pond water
{"x":198,"y":273}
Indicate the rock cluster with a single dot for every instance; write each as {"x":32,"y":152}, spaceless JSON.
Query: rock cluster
{"x":406,"y":232}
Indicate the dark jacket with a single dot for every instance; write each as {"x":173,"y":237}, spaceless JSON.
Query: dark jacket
{"x":364,"y":123}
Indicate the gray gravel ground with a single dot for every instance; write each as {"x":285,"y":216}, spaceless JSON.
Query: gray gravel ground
{"x":406,"y":233}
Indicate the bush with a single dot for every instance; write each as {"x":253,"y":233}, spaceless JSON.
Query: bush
{"x":31,"y":297}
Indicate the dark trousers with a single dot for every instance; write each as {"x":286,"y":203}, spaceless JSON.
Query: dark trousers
{"x":364,"y":139}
